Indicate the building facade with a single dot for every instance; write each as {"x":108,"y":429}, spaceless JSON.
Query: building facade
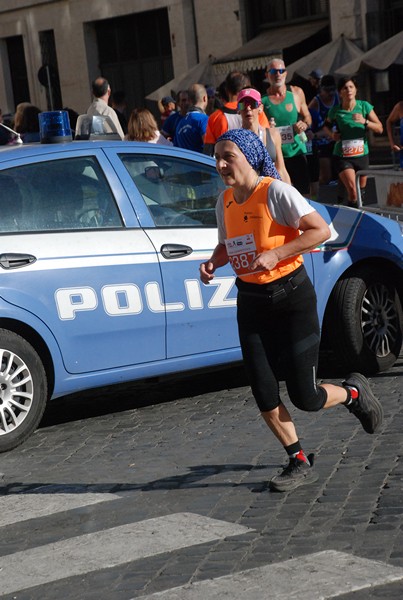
{"x":51,"y":50}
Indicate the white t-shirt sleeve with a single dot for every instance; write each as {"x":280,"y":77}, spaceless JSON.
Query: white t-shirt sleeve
{"x":286,"y":204}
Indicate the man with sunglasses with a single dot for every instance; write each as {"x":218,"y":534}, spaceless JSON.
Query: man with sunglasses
{"x":290,"y":112}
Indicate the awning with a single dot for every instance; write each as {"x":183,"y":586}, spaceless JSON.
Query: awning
{"x":389,"y":52}
{"x":328,"y":58}
{"x":256,"y":53}
{"x":203,"y":72}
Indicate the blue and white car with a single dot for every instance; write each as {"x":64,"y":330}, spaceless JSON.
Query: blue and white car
{"x":100,"y":246}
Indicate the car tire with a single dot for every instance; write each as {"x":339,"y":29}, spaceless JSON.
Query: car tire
{"x":23,"y":390}
{"x":364,"y":322}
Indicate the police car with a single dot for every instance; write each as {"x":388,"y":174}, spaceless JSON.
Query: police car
{"x":100,"y":250}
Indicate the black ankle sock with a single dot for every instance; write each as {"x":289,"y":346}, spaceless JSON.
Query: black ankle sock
{"x":293,"y":449}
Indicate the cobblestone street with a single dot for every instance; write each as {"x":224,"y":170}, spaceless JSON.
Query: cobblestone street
{"x":118,"y":457}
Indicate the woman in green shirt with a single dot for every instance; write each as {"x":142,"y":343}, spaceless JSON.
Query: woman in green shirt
{"x":349,"y":124}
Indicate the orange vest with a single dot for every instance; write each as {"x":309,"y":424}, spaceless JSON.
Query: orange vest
{"x":251,"y":230}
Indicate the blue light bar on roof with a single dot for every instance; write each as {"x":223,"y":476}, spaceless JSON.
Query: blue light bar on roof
{"x":54,"y":127}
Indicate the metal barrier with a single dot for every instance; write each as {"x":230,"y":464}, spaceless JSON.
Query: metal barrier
{"x":389,"y":191}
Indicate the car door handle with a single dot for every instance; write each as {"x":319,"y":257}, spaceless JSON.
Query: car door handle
{"x":15,"y":260}
{"x":175,"y":250}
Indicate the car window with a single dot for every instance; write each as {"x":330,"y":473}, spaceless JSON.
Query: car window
{"x":177,"y":192}
{"x":55,"y":195}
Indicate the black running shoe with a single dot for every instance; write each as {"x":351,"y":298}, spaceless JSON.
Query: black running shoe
{"x":296,"y":473}
{"x":366,"y":407}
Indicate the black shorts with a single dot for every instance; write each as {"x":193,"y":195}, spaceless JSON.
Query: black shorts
{"x":358,"y":164}
{"x":297,"y":168}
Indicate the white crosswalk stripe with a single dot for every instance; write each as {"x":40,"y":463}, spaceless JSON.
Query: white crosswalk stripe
{"x":21,"y":507}
{"x":327,"y":574}
{"x":109,"y":548}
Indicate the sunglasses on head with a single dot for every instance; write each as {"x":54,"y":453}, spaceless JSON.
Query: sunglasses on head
{"x":275,"y":71}
{"x":252,"y":103}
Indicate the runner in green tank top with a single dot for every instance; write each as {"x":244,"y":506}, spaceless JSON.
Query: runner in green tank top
{"x":285,"y":115}
{"x":292,"y":118}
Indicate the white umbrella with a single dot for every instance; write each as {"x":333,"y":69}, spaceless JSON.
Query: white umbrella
{"x":328,"y":58}
{"x":389,"y":52}
{"x":203,"y":72}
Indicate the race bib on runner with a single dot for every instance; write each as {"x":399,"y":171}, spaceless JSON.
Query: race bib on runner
{"x":287,"y":134}
{"x":241,"y":253}
{"x":352,"y":148}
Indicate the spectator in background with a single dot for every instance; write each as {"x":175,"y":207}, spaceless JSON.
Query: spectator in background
{"x":166,"y":106}
{"x":227,"y":117}
{"x":192,"y":128}
{"x":19,"y":109}
{"x":101,"y":91}
{"x":28,"y":125}
{"x":142,"y":127}
{"x":118,"y":103}
{"x":353,"y":119}
{"x":172,"y":122}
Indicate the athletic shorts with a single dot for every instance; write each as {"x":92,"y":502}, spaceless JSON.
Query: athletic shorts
{"x":358,"y":164}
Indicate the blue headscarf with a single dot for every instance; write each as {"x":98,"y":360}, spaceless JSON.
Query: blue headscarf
{"x":254,"y":150}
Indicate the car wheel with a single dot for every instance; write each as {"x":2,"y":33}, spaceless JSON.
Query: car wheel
{"x":364,"y":322}
{"x":23,"y":390}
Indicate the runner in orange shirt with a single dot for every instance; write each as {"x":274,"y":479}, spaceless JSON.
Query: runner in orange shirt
{"x":264,"y":228}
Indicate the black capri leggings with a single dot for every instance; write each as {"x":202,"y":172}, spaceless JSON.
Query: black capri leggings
{"x":279,"y":333}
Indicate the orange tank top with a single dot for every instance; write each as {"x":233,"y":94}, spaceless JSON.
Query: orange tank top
{"x":251,"y":230}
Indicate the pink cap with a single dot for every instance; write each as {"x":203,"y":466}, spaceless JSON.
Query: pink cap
{"x":249,"y":93}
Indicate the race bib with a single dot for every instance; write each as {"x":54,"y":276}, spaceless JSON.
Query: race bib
{"x":241,"y":253}
{"x":287,"y":134}
{"x":352,"y":148}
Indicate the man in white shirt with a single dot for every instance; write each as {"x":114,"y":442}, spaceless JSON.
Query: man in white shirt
{"x":101,"y":91}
